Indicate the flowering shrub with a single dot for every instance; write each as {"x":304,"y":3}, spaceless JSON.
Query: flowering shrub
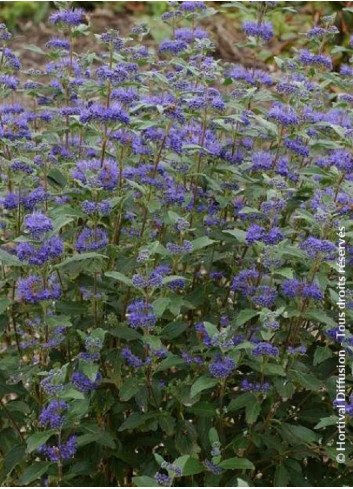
{"x":170,"y":230}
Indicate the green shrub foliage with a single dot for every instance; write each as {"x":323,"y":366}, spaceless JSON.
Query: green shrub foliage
{"x":173,"y":233}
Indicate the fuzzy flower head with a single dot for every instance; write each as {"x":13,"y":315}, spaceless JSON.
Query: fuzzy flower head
{"x":192,"y":6}
{"x":70,"y":17}
{"x":52,"y":415}
{"x":265,"y":349}
{"x":262,"y":30}
{"x":292,"y":288}
{"x":307,"y":58}
{"x":91,"y":240}
{"x":84,"y":384}
{"x":93,"y":174}
{"x":58,"y":43}
{"x":38,"y":224}
{"x":32,"y":289}
{"x":283,"y":114}
{"x":51,"y":249}
{"x":61,"y":452}
{"x":221,"y":368}
{"x":140,"y":314}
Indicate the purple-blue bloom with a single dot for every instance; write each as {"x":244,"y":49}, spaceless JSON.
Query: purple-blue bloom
{"x":91,"y":240}
{"x":61,"y":452}
{"x":140,"y":314}
{"x":221,"y":368}
{"x":53,"y":415}
{"x":71,"y":17}
{"x":38,"y":224}
{"x":33,"y":290}
{"x":266,"y":349}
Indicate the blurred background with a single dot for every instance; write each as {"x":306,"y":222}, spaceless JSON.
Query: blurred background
{"x":28,"y":21}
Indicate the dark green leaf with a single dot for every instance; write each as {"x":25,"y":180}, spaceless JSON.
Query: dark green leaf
{"x":38,"y":439}
{"x":237,"y":463}
{"x":34,"y":472}
{"x":120,"y":277}
{"x":202,"y":383}
{"x":189,"y":465}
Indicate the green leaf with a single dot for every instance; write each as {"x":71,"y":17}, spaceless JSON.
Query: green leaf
{"x":71,"y":393}
{"x":129,"y":388}
{"x":37,"y":439}
{"x":321,"y":354}
{"x":135,"y":420}
{"x":125,"y":333}
{"x":171,"y":278}
{"x":237,"y":463}
{"x":170,"y":361}
{"x":292,"y":251}
{"x":35,"y":49}
{"x":160,"y":305}
{"x":67,"y":307}
{"x":189,"y":465}
{"x":241,"y":401}
{"x":319,"y":316}
{"x":299,"y":433}
{"x":202,"y":242}
{"x":60,"y":222}
{"x":10,"y":260}
{"x":238,"y":234}
{"x":204,"y":409}
{"x":274,"y":369}
{"x":96,"y":435}
{"x":269,"y":126}
{"x":83,"y":262}
{"x":120,"y":277}
{"x":309,"y":381}
{"x":174,"y":329}
{"x":285,"y":272}
{"x":281,"y":477}
{"x":56,"y":177}
{"x":34,"y":472}
{"x":202,"y":383}
{"x":14,"y":457}
{"x":213,"y":436}
{"x":329,"y":421}
{"x":245,"y":315}
{"x":4,"y":304}
{"x":241,"y":483}
{"x":252,"y":412}
{"x":144,"y":481}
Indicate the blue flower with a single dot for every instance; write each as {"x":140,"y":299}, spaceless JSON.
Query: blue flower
{"x":9,"y":81}
{"x":140,"y":314}
{"x":57,"y":43}
{"x":83,"y":383}
{"x":262,"y":30}
{"x":52,"y":415}
{"x":162,"y":479}
{"x":172,"y":46}
{"x":266,"y":349}
{"x":133,"y":360}
{"x":307,"y":58}
{"x":191,"y":6}
{"x":91,"y":240}
{"x":72,"y":17}
{"x":264,"y":296}
{"x":283,"y":114}
{"x":221,"y":368}
{"x":32,"y":289}
{"x":62,"y":451}
{"x":38,"y":224}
